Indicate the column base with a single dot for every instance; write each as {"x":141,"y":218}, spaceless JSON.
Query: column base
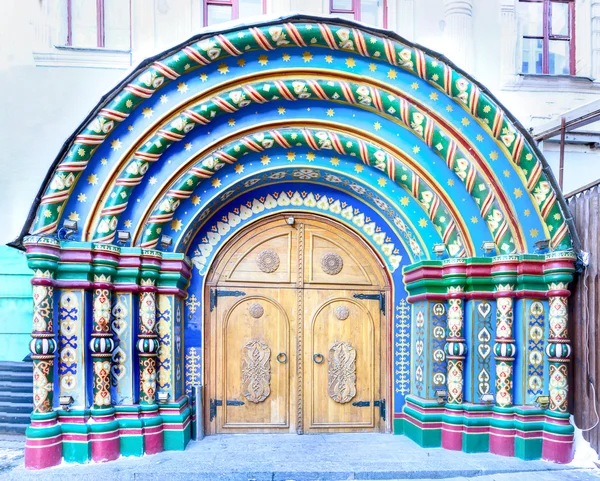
{"x":131,"y":430}
{"x":423,"y":421}
{"x":104,"y":435}
{"x":77,"y":447}
{"x":177,"y":424}
{"x":99,"y":435}
{"x":153,"y":428}
{"x":557,"y":444}
{"x":529,"y":424}
{"x":476,"y":430}
{"x":502,"y":431}
{"x":43,"y":444}
{"x":452,"y":427}
{"x":525,"y":432}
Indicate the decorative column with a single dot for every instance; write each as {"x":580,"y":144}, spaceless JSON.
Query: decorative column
{"x":505,"y":348}
{"x":502,"y":428}
{"x":124,"y":362}
{"x":558,"y":350}
{"x":558,"y":433}
{"x":147,"y":346}
{"x":456,"y":349}
{"x":458,"y":33}
{"x":105,"y":440}
{"x":176,"y":412}
{"x":43,"y":446}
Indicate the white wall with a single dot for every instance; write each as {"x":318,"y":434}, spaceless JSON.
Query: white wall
{"x":40,"y":106}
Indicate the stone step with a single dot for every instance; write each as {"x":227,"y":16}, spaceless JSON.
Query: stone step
{"x":16,"y":407}
{"x":9,"y":366}
{"x":21,"y":387}
{"x":15,"y":418}
{"x":12,"y":428}
{"x":16,"y":397}
{"x":16,"y":376}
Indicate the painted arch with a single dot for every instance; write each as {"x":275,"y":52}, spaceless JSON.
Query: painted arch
{"x":315,"y":115}
{"x":427,"y":125}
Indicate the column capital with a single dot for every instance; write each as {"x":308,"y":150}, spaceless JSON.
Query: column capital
{"x":558,"y":272}
{"x":43,"y":254}
{"x":105,"y":261}
{"x":150,"y":267}
{"x":175,"y":274}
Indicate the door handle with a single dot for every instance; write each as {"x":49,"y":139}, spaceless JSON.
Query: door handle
{"x":318,"y":358}
{"x":282,"y":358}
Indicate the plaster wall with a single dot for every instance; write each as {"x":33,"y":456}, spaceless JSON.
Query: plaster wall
{"x":42,"y":105}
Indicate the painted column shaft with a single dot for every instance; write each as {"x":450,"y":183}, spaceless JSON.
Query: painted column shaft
{"x":558,"y":351}
{"x":455,"y":349}
{"x":43,"y":345}
{"x":147,"y":342}
{"x":102,"y":344}
{"x":504,"y":351}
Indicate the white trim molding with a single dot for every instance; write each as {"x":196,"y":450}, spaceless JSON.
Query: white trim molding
{"x":86,"y":58}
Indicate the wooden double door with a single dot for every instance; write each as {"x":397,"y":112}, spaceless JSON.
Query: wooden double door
{"x":296,"y":323}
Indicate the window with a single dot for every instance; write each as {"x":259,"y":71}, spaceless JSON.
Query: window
{"x":99,"y":24}
{"x":548,"y":36}
{"x":217,"y":11}
{"x":371,"y":12}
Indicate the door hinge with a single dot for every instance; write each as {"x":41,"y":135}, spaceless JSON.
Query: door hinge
{"x":379,"y":403}
{"x":379,"y":297}
{"x":214,"y":293}
{"x":215,"y":403}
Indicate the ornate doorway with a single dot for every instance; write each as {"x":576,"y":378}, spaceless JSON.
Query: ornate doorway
{"x":295,"y":331}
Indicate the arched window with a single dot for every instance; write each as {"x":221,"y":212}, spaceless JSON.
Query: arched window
{"x":548,"y":36}
{"x":218,"y":11}
{"x":370,"y":12}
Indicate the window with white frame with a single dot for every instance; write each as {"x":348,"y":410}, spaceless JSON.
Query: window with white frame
{"x":547,"y":36}
{"x":218,"y":11}
{"x":104,"y":24}
{"x":371,"y":12}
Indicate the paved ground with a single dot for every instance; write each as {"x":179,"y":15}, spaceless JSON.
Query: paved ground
{"x":333,"y":457}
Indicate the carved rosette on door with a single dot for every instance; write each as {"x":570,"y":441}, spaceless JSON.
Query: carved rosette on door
{"x":256,"y":371}
{"x":342,"y":372}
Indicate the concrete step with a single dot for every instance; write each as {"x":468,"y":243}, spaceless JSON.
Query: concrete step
{"x":12,"y":428}
{"x":16,"y":397}
{"x":16,"y":407}
{"x":16,"y":376}
{"x":8,"y":366}
{"x":15,"y":418}
{"x":22,"y":387}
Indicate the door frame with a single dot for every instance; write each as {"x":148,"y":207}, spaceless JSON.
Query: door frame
{"x":211,"y":280}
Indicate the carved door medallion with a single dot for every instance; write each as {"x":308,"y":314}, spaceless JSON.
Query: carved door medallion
{"x":289,"y":346}
{"x":342,"y":372}
{"x":256,"y":371}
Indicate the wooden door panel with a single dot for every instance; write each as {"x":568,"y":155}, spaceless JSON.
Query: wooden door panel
{"x":253,"y":367}
{"x":334,"y":259}
{"x":331,"y":263}
{"x":341,"y":361}
{"x":268,"y":259}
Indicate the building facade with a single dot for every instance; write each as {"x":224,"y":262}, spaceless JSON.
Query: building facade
{"x":329,"y":227}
